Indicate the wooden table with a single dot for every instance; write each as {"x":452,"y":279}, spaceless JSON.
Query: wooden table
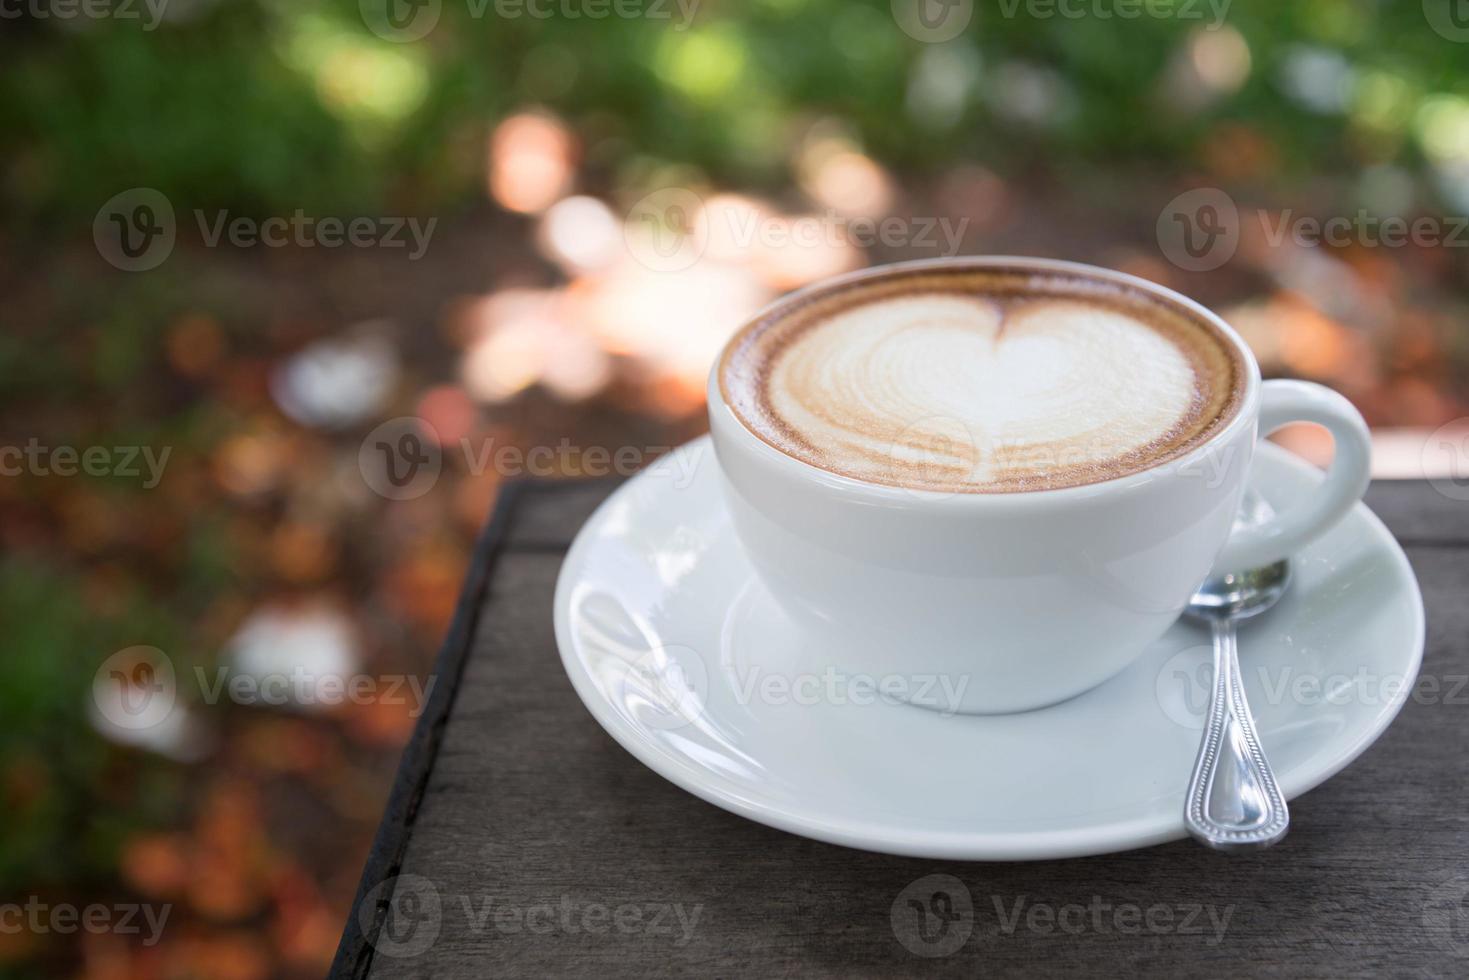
{"x":521,"y":841}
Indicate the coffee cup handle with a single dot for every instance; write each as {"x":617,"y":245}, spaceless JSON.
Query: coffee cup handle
{"x":1283,"y":402}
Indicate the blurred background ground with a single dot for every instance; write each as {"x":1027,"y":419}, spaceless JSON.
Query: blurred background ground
{"x":612,"y":190}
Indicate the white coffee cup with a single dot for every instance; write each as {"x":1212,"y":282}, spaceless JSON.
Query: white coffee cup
{"x":1019,"y":600}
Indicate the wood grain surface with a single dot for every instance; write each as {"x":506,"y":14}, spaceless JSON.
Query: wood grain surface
{"x":522,"y":841}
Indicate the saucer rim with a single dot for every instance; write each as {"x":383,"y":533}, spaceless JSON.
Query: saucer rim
{"x":978,"y":845}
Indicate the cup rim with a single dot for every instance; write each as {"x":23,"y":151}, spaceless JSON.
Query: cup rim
{"x":723,"y":417}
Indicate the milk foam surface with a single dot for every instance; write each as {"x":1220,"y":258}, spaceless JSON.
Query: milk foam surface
{"x":973,"y":391}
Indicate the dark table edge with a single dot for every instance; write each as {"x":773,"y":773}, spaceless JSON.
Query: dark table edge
{"x":354,"y":951}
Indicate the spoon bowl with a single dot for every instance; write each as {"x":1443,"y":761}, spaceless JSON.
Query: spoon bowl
{"x":1239,"y":595}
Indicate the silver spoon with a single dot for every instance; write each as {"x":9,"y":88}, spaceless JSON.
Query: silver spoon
{"x":1233,"y":801}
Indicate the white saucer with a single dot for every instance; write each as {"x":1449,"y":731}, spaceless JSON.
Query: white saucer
{"x":672,"y":645}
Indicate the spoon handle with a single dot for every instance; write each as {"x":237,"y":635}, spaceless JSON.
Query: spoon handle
{"x":1233,"y":801}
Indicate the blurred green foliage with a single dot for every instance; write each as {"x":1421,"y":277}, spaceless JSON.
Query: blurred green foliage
{"x":68,"y":808}
{"x":268,"y":105}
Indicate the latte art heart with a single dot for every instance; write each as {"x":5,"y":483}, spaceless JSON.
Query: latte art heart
{"x":983,"y":385}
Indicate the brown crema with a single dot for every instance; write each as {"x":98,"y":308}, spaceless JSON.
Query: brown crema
{"x":982,"y":378}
